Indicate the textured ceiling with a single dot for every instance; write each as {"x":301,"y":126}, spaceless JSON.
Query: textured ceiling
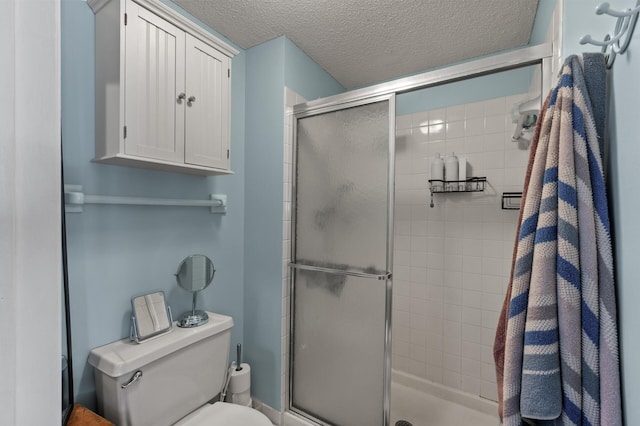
{"x":365,"y":41}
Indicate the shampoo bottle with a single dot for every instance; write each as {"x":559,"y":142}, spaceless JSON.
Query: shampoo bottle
{"x":437,"y":172}
{"x":462,"y":172}
{"x":451,"y":172}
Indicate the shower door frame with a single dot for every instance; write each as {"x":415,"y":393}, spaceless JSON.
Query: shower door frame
{"x":322,"y":109}
{"x":547,"y":55}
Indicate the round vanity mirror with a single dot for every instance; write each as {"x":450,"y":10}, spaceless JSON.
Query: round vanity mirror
{"x":195,"y":273}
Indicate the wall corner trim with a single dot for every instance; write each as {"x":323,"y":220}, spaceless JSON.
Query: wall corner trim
{"x":96,"y":5}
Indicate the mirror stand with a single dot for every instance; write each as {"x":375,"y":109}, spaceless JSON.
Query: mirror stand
{"x":195,"y":317}
{"x":195,"y":273}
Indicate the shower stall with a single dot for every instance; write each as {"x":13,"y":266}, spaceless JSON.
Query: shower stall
{"x":393,"y":304}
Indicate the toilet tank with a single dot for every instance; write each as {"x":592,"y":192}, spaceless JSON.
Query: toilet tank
{"x":180,"y":371}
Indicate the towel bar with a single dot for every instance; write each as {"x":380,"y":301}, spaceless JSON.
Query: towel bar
{"x":74,"y":199}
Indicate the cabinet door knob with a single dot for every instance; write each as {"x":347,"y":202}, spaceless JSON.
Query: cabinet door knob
{"x":191,"y":99}
{"x":182,"y":96}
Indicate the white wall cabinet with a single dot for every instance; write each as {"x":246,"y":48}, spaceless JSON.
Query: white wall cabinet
{"x":162,"y":90}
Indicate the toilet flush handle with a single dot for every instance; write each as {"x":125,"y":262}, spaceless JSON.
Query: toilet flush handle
{"x":133,"y":378}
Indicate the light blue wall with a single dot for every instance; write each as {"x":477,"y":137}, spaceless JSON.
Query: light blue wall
{"x":263,"y":217}
{"x":544,"y":15}
{"x":461,"y":92}
{"x":116,"y":252}
{"x":624,"y":149}
{"x":270,"y":66}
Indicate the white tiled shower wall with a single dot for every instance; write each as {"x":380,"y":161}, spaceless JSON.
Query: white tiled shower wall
{"x":452,"y":262}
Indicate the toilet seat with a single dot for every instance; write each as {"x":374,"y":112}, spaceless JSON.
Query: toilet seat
{"x":225,"y":414}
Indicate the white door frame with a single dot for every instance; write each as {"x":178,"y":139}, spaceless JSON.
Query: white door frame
{"x":30,"y":240}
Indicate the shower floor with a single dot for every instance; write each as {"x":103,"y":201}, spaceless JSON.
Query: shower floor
{"x":422,"y":409}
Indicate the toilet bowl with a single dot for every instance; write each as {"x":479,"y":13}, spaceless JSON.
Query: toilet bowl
{"x":225,"y":414}
{"x":170,"y":380}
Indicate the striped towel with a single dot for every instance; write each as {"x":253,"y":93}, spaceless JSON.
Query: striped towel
{"x":560,"y":340}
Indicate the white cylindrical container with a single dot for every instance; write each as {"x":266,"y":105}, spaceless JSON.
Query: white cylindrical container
{"x":462,"y":172}
{"x":437,"y":172}
{"x":240,"y":385}
{"x":451,"y":171}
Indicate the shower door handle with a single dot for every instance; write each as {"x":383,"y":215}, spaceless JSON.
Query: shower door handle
{"x":380,"y":277}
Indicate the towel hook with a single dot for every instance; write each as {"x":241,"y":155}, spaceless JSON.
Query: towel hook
{"x":623,"y":31}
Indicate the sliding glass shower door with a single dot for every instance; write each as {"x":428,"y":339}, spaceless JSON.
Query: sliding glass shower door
{"x":341,"y":263}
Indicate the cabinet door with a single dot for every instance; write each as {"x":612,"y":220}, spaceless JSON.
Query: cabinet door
{"x":207,"y":116}
{"x":154,"y":113}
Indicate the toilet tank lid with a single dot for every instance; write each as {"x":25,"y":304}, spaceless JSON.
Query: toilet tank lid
{"x":124,"y":356}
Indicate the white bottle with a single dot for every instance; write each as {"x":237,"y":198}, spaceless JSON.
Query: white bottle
{"x":451,"y":172}
{"x":437,"y":172}
{"x":462,"y":172}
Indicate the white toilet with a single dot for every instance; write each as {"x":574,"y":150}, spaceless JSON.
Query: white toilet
{"x":170,"y":380}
